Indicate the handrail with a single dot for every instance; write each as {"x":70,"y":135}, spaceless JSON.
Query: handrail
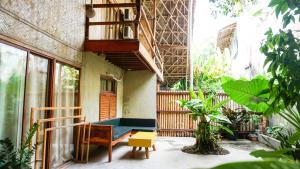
{"x":152,"y":38}
{"x":118,"y":5}
{"x":147,"y":23}
{"x":152,"y":50}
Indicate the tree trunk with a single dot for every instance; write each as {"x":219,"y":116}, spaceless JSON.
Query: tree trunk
{"x":206,"y":143}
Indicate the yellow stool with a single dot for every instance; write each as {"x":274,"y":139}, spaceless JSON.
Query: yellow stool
{"x":142,"y":139}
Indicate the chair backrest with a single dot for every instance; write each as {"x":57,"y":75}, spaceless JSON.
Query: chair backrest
{"x":138,"y":122}
{"x":113,"y":122}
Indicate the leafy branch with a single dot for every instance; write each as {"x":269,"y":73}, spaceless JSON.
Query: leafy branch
{"x":17,"y":159}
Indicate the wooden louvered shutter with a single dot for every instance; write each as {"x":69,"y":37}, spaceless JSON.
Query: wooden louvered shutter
{"x":112,"y":106}
{"x":104,"y":107}
{"x":107,"y":106}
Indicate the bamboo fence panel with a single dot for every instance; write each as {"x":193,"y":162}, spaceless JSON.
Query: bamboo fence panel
{"x":175,"y":121}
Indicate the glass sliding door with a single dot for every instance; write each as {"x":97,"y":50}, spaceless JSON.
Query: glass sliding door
{"x":25,"y":83}
{"x":12,"y":84}
{"x":36,"y":88}
{"x":66,"y":95}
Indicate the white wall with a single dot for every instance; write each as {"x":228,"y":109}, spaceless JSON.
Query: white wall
{"x":93,"y":67}
{"x":139,"y":94}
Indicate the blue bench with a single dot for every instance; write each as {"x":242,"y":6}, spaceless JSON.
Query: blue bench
{"x":110,"y":132}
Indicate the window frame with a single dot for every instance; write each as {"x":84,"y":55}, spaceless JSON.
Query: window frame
{"x":53,"y":59}
{"x":114,"y":84}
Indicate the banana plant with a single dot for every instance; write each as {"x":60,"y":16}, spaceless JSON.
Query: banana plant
{"x":211,"y":121}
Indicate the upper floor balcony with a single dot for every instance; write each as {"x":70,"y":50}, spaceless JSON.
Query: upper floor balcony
{"x":124,"y":32}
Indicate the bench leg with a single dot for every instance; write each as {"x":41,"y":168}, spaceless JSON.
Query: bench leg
{"x":153,"y":146}
{"x":133,"y":151}
{"x":147,"y":152}
{"x":140,"y":148}
{"x":109,"y":153}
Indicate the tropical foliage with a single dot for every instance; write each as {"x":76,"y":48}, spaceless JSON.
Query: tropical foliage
{"x":180,"y":85}
{"x":257,"y":97}
{"x":237,"y":117}
{"x":232,"y":8}
{"x":253,"y":94}
{"x":282,"y":51}
{"x":10,"y":158}
{"x":274,"y":131}
{"x":282,"y":94}
{"x":211,"y":121}
{"x":208,"y":72}
{"x":267,"y":164}
{"x":208,"y":68}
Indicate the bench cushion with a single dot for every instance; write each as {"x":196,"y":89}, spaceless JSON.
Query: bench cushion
{"x":137,"y":122}
{"x":119,"y":131}
{"x":122,"y":126}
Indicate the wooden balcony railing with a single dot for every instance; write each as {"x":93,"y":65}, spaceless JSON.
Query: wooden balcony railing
{"x":143,"y":31}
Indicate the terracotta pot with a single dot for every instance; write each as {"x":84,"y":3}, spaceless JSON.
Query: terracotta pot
{"x":253,"y":138}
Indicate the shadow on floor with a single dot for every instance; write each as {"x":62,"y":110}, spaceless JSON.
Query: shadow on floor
{"x":101,"y":154}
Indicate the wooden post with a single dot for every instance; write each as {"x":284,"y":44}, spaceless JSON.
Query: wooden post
{"x":88,"y":143}
{"x":154,"y":24}
{"x":147,"y":152}
{"x":137,"y":19}
{"x":154,"y":148}
{"x":87,"y":26}
{"x":37,"y":142}
{"x":133,"y":151}
{"x":109,"y":152}
{"x":51,"y":113}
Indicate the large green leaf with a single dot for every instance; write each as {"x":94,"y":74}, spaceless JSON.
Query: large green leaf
{"x":226,"y":129}
{"x":281,"y":153}
{"x":220,"y":104}
{"x":266,"y":164}
{"x":295,"y":137}
{"x":251,"y":93}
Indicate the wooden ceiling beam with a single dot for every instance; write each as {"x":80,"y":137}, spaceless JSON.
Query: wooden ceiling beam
{"x":115,"y":5}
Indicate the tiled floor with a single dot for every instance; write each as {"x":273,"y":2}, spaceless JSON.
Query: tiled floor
{"x":168,"y":156}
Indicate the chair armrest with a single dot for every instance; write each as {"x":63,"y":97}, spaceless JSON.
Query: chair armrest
{"x":101,"y":134}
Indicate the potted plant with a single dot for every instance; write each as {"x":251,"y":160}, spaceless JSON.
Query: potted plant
{"x":238,"y":117}
{"x":272,"y":136}
{"x":211,"y":121}
{"x":256,"y":120}
{"x":17,"y":159}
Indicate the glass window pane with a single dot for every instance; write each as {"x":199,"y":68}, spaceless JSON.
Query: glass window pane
{"x":109,"y":85}
{"x":36,"y":88}
{"x":12,"y":83}
{"x":103,"y":85}
{"x":66,"y":95}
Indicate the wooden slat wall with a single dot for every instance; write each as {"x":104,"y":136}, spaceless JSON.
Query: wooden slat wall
{"x":175,"y":121}
{"x":107,"y":106}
